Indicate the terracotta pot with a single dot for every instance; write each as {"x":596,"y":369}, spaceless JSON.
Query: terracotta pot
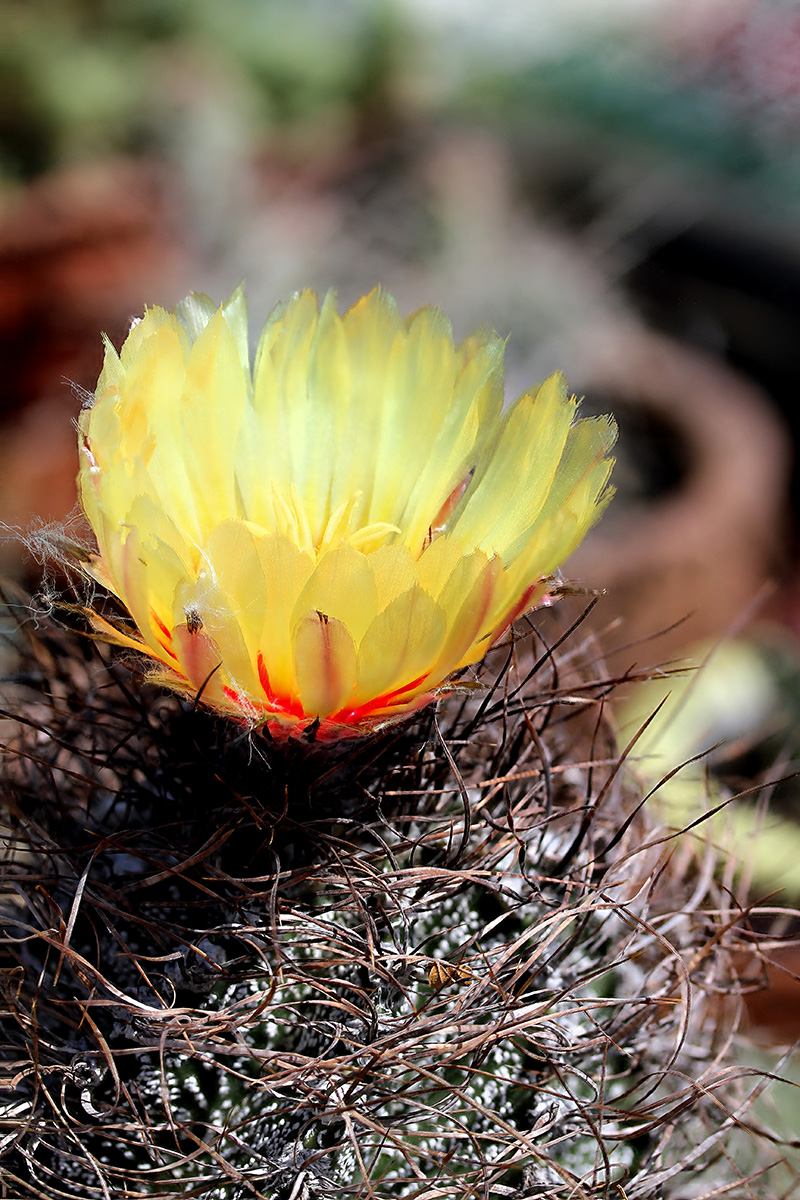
{"x":693,"y":558}
{"x":81,"y":251}
{"x":773,"y":1006}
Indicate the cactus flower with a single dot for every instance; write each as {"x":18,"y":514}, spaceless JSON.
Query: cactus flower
{"x":327,"y":538}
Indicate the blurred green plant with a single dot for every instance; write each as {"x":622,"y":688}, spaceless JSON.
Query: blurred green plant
{"x":614,"y":101}
{"x":716,"y":730}
{"x":86,"y":78}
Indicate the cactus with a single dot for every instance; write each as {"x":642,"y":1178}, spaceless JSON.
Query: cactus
{"x":455,"y":958}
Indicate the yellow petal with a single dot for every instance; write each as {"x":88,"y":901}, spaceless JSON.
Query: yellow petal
{"x":325,"y":664}
{"x":511,"y":486}
{"x":286,"y":570}
{"x":400,"y":646}
{"x":394,"y":571}
{"x":469,"y":419}
{"x":373,"y":328}
{"x":437,"y":563}
{"x":342,"y":586}
{"x":213,"y":405}
{"x":467,"y":599}
{"x":281,"y":389}
{"x":147,"y":573}
{"x":417,"y":388}
{"x":254,"y":580}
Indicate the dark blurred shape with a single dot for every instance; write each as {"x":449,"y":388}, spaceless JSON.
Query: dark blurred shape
{"x":655,"y":455}
{"x":694,"y":539}
{"x":730,"y":289}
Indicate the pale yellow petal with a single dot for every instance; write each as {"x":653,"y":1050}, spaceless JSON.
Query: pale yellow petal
{"x":286,"y":570}
{"x":467,"y":600}
{"x":341,"y":586}
{"x":206,"y":621}
{"x":213,"y":405}
{"x":325,"y":664}
{"x":437,"y":563}
{"x":328,"y":396}
{"x":234,"y":564}
{"x":280,"y":394}
{"x":112,"y":372}
{"x":580,"y":482}
{"x":159,"y":369}
{"x":133,"y":444}
{"x":141,"y":331}
{"x":512,"y":482}
{"x":416,"y":390}
{"x":196,"y":311}
{"x":155,"y":523}
{"x":373,"y":328}
{"x":401,"y":645}
{"x":147,"y":573}
{"x":466,"y":423}
{"x":394,"y":571}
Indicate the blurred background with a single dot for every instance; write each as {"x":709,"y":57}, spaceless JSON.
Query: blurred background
{"x":613,"y":183}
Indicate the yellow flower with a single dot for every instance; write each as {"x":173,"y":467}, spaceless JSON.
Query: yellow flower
{"x":334,"y":534}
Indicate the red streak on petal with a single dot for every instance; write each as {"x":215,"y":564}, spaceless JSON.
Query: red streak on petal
{"x":284,"y":704}
{"x":167,"y":632}
{"x":165,"y":641}
{"x":446,"y":511}
{"x":349,"y":716}
{"x":167,"y":649}
{"x":486,"y":594}
{"x":329,"y":664}
{"x":519,"y":608}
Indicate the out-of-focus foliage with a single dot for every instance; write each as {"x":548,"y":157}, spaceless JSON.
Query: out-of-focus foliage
{"x":86,"y":78}
{"x":718,"y":729}
{"x":639,"y":104}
